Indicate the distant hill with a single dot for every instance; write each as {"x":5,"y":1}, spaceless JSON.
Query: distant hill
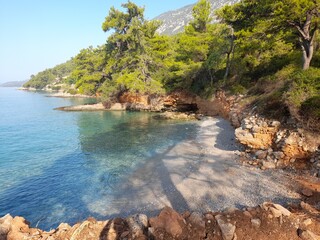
{"x":13,"y":84}
{"x":173,"y":22}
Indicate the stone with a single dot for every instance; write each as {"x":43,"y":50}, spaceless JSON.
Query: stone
{"x":307,"y":222}
{"x":197,"y":221}
{"x":209,"y":216}
{"x":256,"y":222}
{"x":5,"y":225}
{"x":275,"y":124}
{"x":275,"y":212}
{"x":64,"y":227}
{"x":19,"y":229}
{"x":260,"y":154}
{"x":276,"y":209}
{"x":227,"y":229}
{"x":278,"y":155}
{"x":124,"y":234}
{"x":170,"y":221}
{"x":306,"y":192}
{"x":307,"y":235}
{"x":247,"y":214}
{"x":230,"y":210}
{"x":138,"y":224}
{"x":308,"y":208}
{"x":268,"y":165}
{"x":283,"y":210}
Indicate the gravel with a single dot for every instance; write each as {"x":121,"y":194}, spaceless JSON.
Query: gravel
{"x":197,"y":175}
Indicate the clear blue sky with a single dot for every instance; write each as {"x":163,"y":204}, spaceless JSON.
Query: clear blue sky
{"x":39,"y":34}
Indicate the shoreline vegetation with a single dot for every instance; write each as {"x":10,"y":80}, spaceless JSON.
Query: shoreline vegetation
{"x":246,"y":68}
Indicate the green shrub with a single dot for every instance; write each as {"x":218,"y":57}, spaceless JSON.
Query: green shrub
{"x":72,"y":91}
{"x":310,"y":113}
{"x":237,"y":89}
{"x":305,"y":84}
{"x":55,"y":88}
{"x":311,"y":108}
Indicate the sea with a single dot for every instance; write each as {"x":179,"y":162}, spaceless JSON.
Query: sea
{"x":55,"y":164}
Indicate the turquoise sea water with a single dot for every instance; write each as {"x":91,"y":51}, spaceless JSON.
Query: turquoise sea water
{"x":53,"y":163}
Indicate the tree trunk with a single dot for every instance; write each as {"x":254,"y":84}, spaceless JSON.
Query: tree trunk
{"x":307,"y":53}
{"x":307,"y":32}
{"x":229,"y":53}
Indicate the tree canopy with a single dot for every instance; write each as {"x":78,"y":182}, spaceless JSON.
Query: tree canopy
{"x":270,"y":21}
{"x":128,"y":51}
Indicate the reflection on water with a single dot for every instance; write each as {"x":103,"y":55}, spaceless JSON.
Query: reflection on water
{"x":54,"y":165}
{"x":119,"y":142}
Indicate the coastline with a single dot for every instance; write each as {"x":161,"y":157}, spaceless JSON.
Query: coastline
{"x":57,"y":94}
{"x":200,"y":177}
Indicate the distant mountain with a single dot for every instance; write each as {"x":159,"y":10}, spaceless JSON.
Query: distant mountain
{"x":13,"y":84}
{"x":173,"y":22}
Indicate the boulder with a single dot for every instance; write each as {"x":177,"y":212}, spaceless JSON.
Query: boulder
{"x":227,"y":229}
{"x":260,"y":154}
{"x":256,"y":222}
{"x":276,"y":209}
{"x":306,"y":192}
{"x":19,"y":229}
{"x":5,"y":226}
{"x":268,"y":165}
{"x":170,"y":221}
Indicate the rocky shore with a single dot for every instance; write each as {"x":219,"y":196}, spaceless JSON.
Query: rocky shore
{"x":264,"y":222}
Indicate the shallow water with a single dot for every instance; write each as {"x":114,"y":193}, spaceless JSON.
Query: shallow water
{"x":54,"y":164}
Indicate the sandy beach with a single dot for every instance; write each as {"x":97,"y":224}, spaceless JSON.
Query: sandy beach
{"x":197,"y":175}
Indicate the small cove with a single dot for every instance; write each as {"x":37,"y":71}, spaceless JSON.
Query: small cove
{"x":66,"y":166}
{"x":54,"y":164}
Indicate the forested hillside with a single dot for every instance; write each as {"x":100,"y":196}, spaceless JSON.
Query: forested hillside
{"x":54,"y":76}
{"x":266,"y":49}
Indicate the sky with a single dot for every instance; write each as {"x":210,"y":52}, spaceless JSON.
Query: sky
{"x":39,"y":34}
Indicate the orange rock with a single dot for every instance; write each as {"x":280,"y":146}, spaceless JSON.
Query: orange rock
{"x":170,"y":221}
{"x":128,"y":97}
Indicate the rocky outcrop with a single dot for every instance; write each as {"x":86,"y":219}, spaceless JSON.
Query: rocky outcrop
{"x":178,"y":101}
{"x":267,"y":221}
{"x":86,"y":107}
{"x":257,"y":133}
{"x":181,"y":101}
{"x":270,"y":143}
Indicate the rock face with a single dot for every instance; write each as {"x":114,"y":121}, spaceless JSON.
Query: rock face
{"x":179,"y":101}
{"x":271,"y":144}
{"x":174,"y":22}
{"x":257,"y":133}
